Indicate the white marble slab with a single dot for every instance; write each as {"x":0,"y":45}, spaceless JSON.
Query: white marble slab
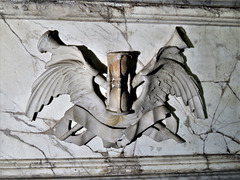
{"x":215,"y":60}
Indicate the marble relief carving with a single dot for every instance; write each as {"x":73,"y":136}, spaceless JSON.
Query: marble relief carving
{"x":104,"y":28}
{"x":114,"y":102}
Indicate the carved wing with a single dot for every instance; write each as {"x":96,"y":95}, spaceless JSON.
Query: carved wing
{"x":66,"y":73}
{"x":165,"y":75}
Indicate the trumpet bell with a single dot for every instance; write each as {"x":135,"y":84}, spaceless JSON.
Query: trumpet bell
{"x":49,"y":40}
{"x":180,"y":39}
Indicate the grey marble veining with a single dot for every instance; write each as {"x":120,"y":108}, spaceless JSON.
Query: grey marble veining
{"x":209,"y":3}
{"x":214,"y":59}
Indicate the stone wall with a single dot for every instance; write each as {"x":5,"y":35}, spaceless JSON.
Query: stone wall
{"x":211,"y":144}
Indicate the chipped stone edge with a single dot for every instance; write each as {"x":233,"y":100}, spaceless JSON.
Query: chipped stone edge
{"x":121,"y":13}
{"x":117,"y":166}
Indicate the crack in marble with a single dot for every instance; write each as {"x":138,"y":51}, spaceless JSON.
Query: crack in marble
{"x":40,"y":24}
{"x":7,"y":96}
{"x":20,"y":40}
{"x":238,"y":98}
{"x":213,"y":120}
{"x":47,"y":119}
{"x":59,"y":145}
{"x":216,"y":116}
{"x":103,"y":29}
{"x":56,"y":143}
{"x":230,"y":137}
{"x":130,"y":153}
{"x":85,"y":169}
{"x":203,"y":136}
{"x":220,"y":113}
{"x":134,"y":148}
{"x":225,"y":125}
{"x":235,"y":65}
{"x":15,"y":116}
{"x":8,"y":134}
{"x":204,"y":151}
{"x":125,"y":35}
{"x":15,"y":113}
{"x":212,"y":130}
{"x":125,"y":32}
{"x":104,"y":154}
{"x":229,"y":79}
{"x":237,"y":152}
{"x":23,"y":132}
{"x":226,"y":144}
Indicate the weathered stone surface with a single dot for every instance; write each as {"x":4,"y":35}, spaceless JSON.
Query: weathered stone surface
{"x":214,"y":60}
{"x":117,"y":168}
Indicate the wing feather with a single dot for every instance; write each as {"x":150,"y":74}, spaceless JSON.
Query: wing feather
{"x":47,"y":80}
{"x":168,"y":76}
{"x":176,"y":90}
{"x":185,"y":86}
{"x":189,"y":91}
{"x":195,"y":101}
{"x":67,"y":77}
{"x":45,"y":88}
{"x":52,"y":87}
{"x":179,"y":84}
{"x":43,"y":77}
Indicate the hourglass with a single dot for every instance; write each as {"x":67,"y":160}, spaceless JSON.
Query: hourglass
{"x":121,"y":66}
